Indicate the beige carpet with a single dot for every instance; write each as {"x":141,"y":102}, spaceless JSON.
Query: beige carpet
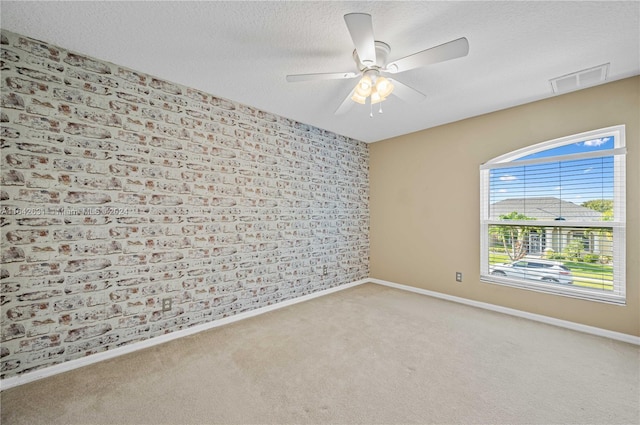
{"x":369,"y":354}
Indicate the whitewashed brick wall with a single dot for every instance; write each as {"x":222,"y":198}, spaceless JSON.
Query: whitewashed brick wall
{"x":120,"y":189}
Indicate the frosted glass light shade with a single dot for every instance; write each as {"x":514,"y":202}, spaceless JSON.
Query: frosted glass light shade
{"x":384,"y":87}
{"x":364,"y":86}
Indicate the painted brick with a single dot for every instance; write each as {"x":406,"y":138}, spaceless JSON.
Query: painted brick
{"x":87,"y":278}
{"x":87,"y":130}
{"x":28,"y":311}
{"x":88,"y":154}
{"x":12,"y":254}
{"x":48,"y":355}
{"x":12,"y":331}
{"x":86,"y":332}
{"x":25,"y":86}
{"x":87,"y":198}
{"x":12,"y":100}
{"x":89,"y":77}
{"x":83,"y":347}
{"x":132,"y":76}
{"x":87,"y":265}
{"x":91,"y":249}
{"x":123,"y":108}
{"x":87,"y":63}
{"x":38,"y":269}
{"x":95,"y":182}
{"x":152,"y":189}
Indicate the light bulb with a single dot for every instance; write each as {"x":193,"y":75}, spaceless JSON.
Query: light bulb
{"x":364,"y":86}
{"x":384,"y":87}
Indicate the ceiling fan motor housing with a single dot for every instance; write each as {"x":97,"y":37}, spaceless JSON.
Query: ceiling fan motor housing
{"x":382,"y":53}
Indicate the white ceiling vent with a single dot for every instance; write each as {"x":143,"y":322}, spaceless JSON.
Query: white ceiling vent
{"x":580,"y":79}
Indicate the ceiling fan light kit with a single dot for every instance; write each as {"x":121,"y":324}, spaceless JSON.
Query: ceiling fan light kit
{"x":379,"y":88}
{"x":371,"y":56}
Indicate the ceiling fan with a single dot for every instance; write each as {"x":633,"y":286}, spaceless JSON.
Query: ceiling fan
{"x":371,"y":61}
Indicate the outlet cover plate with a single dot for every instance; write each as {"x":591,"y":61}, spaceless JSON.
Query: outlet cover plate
{"x":166,"y":304}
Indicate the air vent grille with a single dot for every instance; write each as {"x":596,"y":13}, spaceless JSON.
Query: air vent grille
{"x":581,"y":79}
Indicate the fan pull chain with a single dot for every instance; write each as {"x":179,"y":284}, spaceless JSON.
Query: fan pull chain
{"x":371,"y":109}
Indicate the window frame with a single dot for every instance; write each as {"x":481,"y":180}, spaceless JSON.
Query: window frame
{"x":617,"y":225}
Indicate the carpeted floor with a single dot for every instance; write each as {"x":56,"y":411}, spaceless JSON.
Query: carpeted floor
{"x":369,"y":354}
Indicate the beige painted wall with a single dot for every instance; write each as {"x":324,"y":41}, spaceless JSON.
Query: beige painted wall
{"x":425,"y":200}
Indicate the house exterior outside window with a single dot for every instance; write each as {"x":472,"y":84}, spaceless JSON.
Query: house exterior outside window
{"x":553,"y":217}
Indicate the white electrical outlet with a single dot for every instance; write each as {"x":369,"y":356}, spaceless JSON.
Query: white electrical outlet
{"x":458,"y":276}
{"x":166,"y":304}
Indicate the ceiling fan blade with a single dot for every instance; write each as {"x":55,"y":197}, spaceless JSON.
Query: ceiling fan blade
{"x":360,"y":27}
{"x":326,"y":76}
{"x":406,"y":93}
{"x":346,"y":104}
{"x":451,"y":50}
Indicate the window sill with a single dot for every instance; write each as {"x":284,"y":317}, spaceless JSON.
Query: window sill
{"x":557,"y":289}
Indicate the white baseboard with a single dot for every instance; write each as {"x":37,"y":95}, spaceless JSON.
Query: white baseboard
{"x":116,"y":352}
{"x":618,"y":336}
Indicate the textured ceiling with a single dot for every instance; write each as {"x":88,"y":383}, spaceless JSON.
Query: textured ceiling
{"x":243,"y":50}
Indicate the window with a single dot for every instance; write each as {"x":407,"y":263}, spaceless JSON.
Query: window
{"x":553,"y":217}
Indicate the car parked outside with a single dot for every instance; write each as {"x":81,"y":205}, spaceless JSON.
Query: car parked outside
{"x":534,"y":269}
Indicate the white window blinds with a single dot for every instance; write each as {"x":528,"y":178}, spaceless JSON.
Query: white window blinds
{"x":553,"y":216}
